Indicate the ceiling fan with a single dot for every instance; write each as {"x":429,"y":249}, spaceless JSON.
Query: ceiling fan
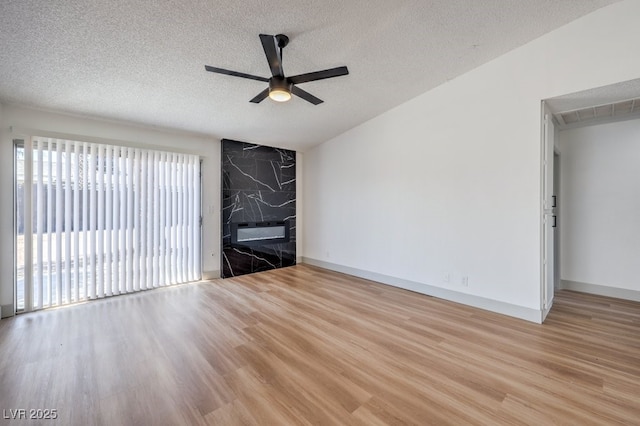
{"x":281,"y":87}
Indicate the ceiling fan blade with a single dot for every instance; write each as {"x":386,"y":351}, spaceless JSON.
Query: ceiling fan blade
{"x":234,"y":73}
{"x":305,"y":95}
{"x":260,"y":96}
{"x":318,"y":75}
{"x":273,"y":54}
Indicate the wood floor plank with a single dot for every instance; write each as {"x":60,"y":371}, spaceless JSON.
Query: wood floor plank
{"x":303,"y":345}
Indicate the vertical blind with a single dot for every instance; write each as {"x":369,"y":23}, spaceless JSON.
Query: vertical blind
{"x":106,"y":220}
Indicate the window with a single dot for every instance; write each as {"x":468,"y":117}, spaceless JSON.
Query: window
{"x":96,"y":220}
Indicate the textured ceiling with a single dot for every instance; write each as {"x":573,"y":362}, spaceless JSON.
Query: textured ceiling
{"x":598,"y":96}
{"x":620,"y":101}
{"x":143,"y":61}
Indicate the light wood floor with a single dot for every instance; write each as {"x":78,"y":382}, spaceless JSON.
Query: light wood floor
{"x":302,"y":345}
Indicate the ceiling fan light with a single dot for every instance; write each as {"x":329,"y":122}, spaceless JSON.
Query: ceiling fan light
{"x":280,"y":95}
{"x":279,"y":89}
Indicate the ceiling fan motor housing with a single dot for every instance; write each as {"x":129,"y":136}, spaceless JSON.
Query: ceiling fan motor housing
{"x":279,"y":89}
{"x":279,"y":83}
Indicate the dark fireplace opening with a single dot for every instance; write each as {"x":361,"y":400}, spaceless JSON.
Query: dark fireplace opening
{"x":259,"y":233}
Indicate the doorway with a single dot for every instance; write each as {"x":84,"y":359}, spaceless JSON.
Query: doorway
{"x":596,"y":147}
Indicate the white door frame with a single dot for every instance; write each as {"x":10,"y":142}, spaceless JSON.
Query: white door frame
{"x":547,"y":212}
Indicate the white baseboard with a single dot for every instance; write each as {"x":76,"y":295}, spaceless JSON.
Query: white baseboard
{"x":509,"y":309}
{"x":6,"y":311}
{"x":601,"y":290}
{"x":210,"y":275}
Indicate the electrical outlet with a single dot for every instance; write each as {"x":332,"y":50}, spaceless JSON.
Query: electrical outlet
{"x":447,"y":278}
{"x":465,"y":281}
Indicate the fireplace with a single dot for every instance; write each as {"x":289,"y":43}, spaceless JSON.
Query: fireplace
{"x":258,"y":217}
{"x":259,"y":233}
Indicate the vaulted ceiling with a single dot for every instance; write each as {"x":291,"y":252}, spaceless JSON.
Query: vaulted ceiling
{"x":143,"y":61}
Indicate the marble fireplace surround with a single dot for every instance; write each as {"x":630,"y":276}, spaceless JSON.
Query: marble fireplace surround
{"x":258,"y":188}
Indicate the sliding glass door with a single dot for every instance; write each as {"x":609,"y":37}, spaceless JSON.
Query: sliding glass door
{"x":96,"y":220}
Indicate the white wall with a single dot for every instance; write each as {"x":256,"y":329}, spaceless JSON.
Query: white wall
{"x":6,"y":220}
{"x":600,"y":199}
{"x":54,"y":124}
{"x":449,"y":182}
{"x":299,"y":206}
